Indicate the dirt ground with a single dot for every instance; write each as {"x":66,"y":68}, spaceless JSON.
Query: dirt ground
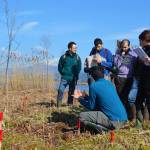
{"x":32,"y":121}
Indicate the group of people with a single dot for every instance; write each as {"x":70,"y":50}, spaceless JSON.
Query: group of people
{"x":119,"y":84}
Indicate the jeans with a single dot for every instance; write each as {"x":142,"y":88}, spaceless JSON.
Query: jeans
{"x":62,"y":86}
{"x":99,"y":122}
{"x":133,"y":92}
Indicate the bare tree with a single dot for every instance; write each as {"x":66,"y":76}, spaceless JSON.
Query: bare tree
{"x":42,"y":53}
{"x":10,"y":22}
{"x":45,"y":44}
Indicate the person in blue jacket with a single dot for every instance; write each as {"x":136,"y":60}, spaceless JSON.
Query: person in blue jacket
{"x":105,"y":54}
{"x":106,"y":109}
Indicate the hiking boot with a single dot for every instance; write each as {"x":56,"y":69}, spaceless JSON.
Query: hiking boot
{"x":146,"y":114}
{"x":132,"y":112}
{"x":59,"y":103}
{"x":138,"y":124}
{"x":139,"y":115}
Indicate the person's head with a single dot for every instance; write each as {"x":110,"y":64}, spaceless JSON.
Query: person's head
{"x":97,"y":72}
{"x":98,"y":43}
{"x":125,"y":45}
{"x":72,"y":47}
{"x":144,"y":39}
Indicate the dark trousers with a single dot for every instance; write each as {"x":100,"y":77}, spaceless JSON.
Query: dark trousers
{"x":99,"y":122}
{"x":62,"y":86}
{"x":143,"y":104}
{"x":123,"y":86}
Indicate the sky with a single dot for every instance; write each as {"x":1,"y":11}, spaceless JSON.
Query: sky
{"x":75,"y":20}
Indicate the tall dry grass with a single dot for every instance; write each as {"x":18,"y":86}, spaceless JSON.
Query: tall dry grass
{"x":27,"y":75}
{"x":28,"y":72}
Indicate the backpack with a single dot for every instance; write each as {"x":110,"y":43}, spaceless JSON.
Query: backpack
{"x":77,"y":57}
{"x":64,"y":58}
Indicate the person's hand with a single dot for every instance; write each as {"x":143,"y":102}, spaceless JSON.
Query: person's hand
{"x":77,"y":94}
{"x":84,"y":94}
{"x":98,"y":59}
{"x":147,"y":59}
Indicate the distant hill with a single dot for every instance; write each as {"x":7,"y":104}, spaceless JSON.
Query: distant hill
{"x":38,"y":68}
{"x":54,"y":70}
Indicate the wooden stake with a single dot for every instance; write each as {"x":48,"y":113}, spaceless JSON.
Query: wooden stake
{"x":112,"y":136}
{"x":1,"y":131}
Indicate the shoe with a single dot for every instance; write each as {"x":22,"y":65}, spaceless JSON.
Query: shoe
{"x":139,"y":116}
{"x":59,"y":103}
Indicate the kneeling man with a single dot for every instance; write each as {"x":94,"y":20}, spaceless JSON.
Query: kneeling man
{"x":106,"y":109}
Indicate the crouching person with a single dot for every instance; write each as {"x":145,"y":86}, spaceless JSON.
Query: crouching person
{"x":107,"y":111}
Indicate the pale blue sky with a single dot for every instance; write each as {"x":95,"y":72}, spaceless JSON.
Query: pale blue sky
{"x":77,"y":20}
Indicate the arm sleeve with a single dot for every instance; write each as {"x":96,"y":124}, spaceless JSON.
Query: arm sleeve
{"x":109,"y":61}
{"x":60,"y":65}
{"x":79,"y":65}
{"x":89,"y":101}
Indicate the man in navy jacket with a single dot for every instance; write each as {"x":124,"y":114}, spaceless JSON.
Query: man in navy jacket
{"x":106,"y":58}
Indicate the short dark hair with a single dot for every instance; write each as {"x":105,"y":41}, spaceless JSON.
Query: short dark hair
{"x":97,"y":72}
{"x":98,"y":41}
{"x":145,"y":35}
{"x":70,"y":44}
{"x":125,"y":40}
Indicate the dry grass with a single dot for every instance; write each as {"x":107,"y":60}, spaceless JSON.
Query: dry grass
{"x":32,"y":122}
{"x":25,"y":81}
{"x":40,"y":125}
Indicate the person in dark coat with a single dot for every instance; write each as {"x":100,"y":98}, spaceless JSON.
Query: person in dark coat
{"x":143,"y":98}
{"x":69,"y":67}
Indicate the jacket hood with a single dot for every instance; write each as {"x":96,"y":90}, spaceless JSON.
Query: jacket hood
{"x":69,"y":53}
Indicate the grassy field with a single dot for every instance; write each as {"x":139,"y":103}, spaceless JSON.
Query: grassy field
{"x":32,"y":122}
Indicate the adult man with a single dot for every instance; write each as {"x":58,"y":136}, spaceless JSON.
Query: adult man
{"x":102,"y":56}
{"x":108,"y":111}
{"x":124,"y":62}
{"x":143,"y":99}
{"x":69,"y":67}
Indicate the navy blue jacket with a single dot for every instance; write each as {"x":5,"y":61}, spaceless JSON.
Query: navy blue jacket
{"x":105,"y":53}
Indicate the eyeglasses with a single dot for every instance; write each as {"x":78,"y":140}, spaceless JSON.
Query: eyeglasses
{"x":147,"y":40}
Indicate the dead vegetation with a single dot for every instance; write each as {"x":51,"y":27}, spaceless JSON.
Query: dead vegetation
{"x":35,"y":123}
